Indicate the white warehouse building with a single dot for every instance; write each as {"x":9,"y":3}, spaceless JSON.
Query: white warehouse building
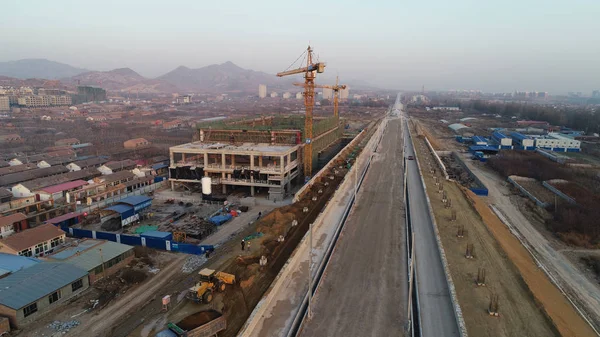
{"x":557,"y":142}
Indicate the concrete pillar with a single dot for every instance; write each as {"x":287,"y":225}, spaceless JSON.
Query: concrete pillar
{"x":289,"y":158}
{"x":251,"y":190}
{"x":205,"y":161}
{"x":282,"y":164}
{"x":183,"y":157}
{"x":224,"y":189}
{"x":233,"y":160}
{"x":171,"y":158}
{"x":260,"y":164}
{"x":223,"y":161}
{"x":252,"y":162}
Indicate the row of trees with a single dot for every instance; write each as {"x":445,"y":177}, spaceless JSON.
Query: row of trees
{"x":579,"y":118}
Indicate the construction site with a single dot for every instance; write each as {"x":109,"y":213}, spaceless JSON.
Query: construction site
{"x":268,"y":154}
{"x":501,"y":290}
{"x":273,"y":153}
{"x":295,"y":161}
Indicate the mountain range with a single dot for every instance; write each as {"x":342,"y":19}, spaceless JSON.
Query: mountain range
{"x":216,"y":78}
{"x":38,"y":68}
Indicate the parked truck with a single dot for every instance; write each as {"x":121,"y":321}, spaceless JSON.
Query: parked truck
{"x":201,"y":324}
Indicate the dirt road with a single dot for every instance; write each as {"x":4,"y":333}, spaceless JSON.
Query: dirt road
{"x":584,"y":292}
{"x":102,"y":323}
{"x":365,"y":291}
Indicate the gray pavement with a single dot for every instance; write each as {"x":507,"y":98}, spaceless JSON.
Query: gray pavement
{"x":436,"y":310}
{"x":365,"y":288}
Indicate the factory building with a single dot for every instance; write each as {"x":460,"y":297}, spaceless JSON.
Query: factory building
{"x":522,"y":142}
{"x":502,"y":139}
{"x":478,"y":140}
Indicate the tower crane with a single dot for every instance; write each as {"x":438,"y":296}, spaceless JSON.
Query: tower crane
{"x":310,"y":73}
{"x":336,"y":93}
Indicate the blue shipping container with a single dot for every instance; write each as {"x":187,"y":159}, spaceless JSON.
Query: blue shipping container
{"x":220,"y":219}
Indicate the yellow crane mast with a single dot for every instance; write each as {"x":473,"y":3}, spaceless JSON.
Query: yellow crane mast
{"x":310,"y":73}
{"x":336,"y":93}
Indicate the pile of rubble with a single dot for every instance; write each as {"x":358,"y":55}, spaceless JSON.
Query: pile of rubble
{"x":63,"y":327}
{"x":192,"y":263}
{"x":192,"y":226}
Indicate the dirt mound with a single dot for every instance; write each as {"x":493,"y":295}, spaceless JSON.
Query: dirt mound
{"x":277,"y":222}
{"x":247,"y":283}
{"x":133,"y":276}
{"x":200,"y":318}
{"x":111,"y":225}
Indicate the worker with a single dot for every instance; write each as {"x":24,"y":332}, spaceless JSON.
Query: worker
{"x":248,"y":245}
{"x":243,"y":244}
{"x":259,"y":215}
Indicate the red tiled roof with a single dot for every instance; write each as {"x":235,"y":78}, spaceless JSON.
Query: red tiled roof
{"x":64,"y":187}
{"x":31,"y":237}
{"x":11,"y":219}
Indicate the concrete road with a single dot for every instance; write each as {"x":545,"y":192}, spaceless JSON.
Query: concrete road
{"x":436,"y":309}
{"x":365,"y":288}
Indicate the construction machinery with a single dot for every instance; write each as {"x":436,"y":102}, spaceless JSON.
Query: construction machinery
{"x":310,"y":73}
{"x":210,"y":282}
{"x":336,"y":93}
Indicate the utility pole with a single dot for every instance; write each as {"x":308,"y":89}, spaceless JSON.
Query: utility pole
{"x":310,"y":225}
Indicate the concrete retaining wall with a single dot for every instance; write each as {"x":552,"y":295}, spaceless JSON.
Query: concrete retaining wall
{"x":515,"y":181}
{"x":452,"y":290}
{"x":331,"y":217}
{"x":437,"y":158}
{"x":557,"y":191}
{"x":318,"y":175}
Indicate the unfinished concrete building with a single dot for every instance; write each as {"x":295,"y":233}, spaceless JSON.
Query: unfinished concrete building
{"x":258,"y":153}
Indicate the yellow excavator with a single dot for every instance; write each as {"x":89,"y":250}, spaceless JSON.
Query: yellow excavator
{"x":210,"y":281}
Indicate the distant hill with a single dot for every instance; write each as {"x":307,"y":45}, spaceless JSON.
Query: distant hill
{"x":38,"y":68}
{"x":31,"y":82}
{"x":122,"y":79}
{"x":225,"y":77}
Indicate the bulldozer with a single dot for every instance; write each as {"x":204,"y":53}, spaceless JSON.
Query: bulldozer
{"x":210,"y":282}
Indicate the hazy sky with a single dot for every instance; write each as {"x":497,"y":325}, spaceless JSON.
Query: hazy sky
{"x":551,"y":45}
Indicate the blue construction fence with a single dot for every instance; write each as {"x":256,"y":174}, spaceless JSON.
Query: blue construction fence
{"x":479,"y":188}
{"x":134,"y":240}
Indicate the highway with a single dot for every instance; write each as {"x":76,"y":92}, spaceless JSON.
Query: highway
{"x":364,"y":291}
{"x":436,"y":309}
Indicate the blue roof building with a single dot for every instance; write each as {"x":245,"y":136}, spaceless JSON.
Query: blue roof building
{"x":27,"y":293}
{"x":10,"y":263}
{"x":130,"y":207}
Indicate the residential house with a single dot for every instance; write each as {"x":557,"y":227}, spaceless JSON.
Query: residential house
{"x":176,"y":124}
{"x":29,"y":293}
{"x":60,"y":191}
{"x":136,"y":143}
{"x":99,"y":258}
{"x":115,"y":178}
{"x":67,"y":141}
{"x":85,"y":163}
{"x":17,"y":168}
{"x":115,"y":166}
{"x":11,"y":138}
{"x":12,"y":223}
{"x":5,"y":195}
{"x":37,"y":241}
